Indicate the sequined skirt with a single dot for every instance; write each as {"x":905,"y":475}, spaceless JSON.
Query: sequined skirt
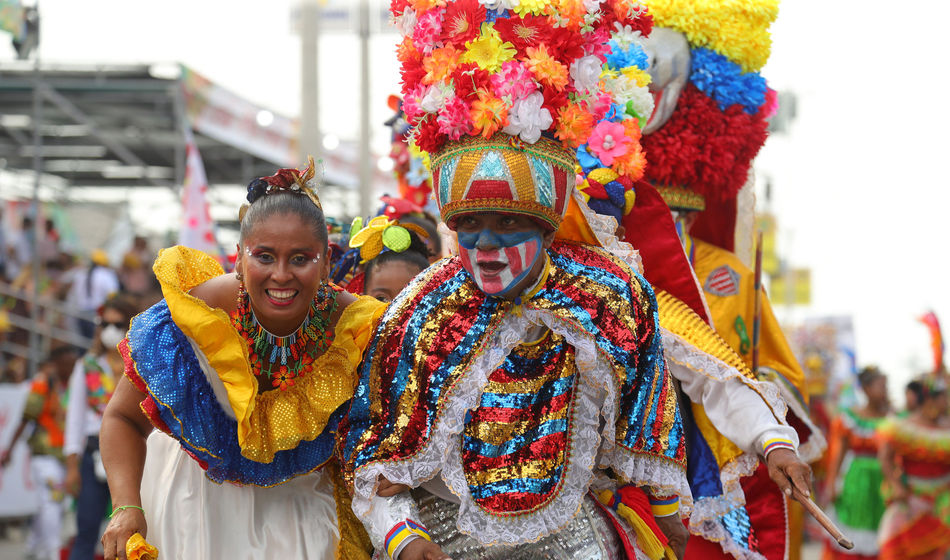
{"x":589,"y":536}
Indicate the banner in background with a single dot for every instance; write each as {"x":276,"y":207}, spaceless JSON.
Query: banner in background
{"x":13,"y":18}
{"x":197,"y":228}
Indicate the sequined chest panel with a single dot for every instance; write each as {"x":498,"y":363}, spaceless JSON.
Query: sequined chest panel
{"x":515,"y":445}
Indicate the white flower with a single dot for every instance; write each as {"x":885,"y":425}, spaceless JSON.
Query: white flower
{"x":625,"y":90}
{"x":435,"y":98}
{"x":585,"y":72}
{"x":406,"y":22}
{"x":499,"y":5}
{"x":592,"y":5}
{"x":625,"y":35}
{"x":528,"y":119}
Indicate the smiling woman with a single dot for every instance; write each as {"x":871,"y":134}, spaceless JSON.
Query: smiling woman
{"x":244,"y":375}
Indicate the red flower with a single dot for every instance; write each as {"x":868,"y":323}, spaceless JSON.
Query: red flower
{"x":427,"y":135}
{"x":462,"y":22}
{"x":468,"y":79}
{"x":704,"y":148}
{"x":284,"y":378}
{"x":529,"y":31}
{"x":398,"y":6}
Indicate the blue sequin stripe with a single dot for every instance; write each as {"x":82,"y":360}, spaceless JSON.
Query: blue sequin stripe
{"x":739,"y":526}
{"x":186,"y":403}
{"x":517,"y":485}
{"x":550,"y":390}
{"x":518,"y":442}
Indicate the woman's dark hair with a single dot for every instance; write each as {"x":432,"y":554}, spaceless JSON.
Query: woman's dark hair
{"x":124,"y":303}
{"x":429,"y":224}
{"x":417,"y":254}
{"x":868,"y":375}
{"x":277,"y":203}
{"x":917,"y":388}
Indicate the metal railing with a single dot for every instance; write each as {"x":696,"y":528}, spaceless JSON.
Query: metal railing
{"x":51,"y":322}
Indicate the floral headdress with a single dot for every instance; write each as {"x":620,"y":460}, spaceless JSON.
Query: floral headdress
{"x":720,"y":121}
{"x":291,"y":180}
{"x":500,"y":77}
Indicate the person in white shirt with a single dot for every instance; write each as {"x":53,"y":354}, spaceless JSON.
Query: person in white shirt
{"x":90,"y":388}
{"x":90,"y":288}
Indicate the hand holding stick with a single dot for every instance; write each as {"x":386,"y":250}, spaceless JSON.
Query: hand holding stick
{"x":815,"y":511}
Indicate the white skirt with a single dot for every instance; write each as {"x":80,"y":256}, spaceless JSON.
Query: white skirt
{"x":189,"y":516}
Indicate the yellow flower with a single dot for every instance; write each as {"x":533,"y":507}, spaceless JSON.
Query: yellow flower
{"x":440,"y":64}
{"x":546,"y":68}
{"x":423,"y":5}
{"x":489,"y":114}
{"x":535,"y":7}
{"x":641,"y":78}
{"x":136,"y":548}
{"x":488,"y":51}
{"x":736,"y":29}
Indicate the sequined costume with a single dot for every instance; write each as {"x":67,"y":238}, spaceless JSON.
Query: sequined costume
{"x":919,"y":528}
{"x":452,"y":387}
{"x":859,"y":504}
{"x":232,"y":472}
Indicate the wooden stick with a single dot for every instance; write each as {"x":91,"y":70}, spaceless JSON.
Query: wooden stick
{"x":757,"y":309}
{"x":815,"y":511}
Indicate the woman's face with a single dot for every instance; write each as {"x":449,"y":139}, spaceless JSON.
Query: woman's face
{"x":389,"y":278}
{"x":283,"y":264}
{"x":934,"y":407}
{"x":876,"y":391}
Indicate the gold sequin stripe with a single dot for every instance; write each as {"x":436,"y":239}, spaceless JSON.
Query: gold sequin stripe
{"x":544,"y":149}
{"x":678,"y":318}
{"x":354,"y":543}
{"x":526,"y":207}
{"x":681,"y":198}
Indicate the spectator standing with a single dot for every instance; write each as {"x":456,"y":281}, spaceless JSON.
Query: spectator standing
{"x":136,"y":271}
{"x":90,"y":388}
{"x":89,"y":289}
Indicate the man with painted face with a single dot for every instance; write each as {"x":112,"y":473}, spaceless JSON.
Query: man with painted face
{"x":501,"y":381}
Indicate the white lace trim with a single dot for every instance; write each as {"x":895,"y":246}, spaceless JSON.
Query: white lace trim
{"x":595,"y":408}
{"x":605,"y":230}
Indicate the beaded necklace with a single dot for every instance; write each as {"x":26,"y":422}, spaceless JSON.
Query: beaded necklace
{"x":283,"y":358}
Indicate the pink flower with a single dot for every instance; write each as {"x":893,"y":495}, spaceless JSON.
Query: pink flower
{"x":410,"y":105}
{"x":515,"y":80}
{"x":608,"y":141}
{"x":454,"y":119}
{"x":428,"y":29}
{"x":599,"y":104}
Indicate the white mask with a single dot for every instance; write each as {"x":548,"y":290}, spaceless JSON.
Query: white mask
{"x":111,"y":336}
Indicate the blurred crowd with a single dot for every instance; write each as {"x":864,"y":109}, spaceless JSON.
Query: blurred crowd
{"x":82,"y":305}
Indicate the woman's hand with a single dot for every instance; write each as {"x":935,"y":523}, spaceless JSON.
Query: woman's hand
{"x":421,"y":549}
{"x":672,"y":526}
{"x":387,"y":489}
{"x":124,"y":524}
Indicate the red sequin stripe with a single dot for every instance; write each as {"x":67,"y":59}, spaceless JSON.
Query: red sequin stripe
{"x":543,"y":448}
{"x":147,"y":405}
{"x":508,"y":415}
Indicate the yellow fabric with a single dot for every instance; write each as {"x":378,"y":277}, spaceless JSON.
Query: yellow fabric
{"x":137,"y":548}
{"x":774,"y":351}
{"x":354,"y":543}
{"x":646,"y":539}
{"x":275,"y":420}
{"x":574,"y":227}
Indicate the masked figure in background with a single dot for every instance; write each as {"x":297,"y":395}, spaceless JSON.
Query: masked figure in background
{"x":507,"y":385}
{"x":732,"y":418}
{"x":709,"y":123}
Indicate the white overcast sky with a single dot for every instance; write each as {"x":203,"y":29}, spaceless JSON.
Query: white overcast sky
{"x":859,"y":185}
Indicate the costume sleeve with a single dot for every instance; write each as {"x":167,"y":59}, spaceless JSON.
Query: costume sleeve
{"x":76,"y":409}
{"x":737,"y":411}
{"x":775,"y":353}
{"x":35,"y":400}
{"x":392,"y":523}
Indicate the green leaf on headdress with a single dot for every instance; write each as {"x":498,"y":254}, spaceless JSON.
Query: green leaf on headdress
{"x":396,"y":238}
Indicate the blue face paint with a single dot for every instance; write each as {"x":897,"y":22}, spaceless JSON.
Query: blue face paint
{"x":499,"y":261}
{"x":489,"y":238}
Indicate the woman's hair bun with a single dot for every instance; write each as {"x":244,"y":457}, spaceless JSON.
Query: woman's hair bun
{"x":256,"y":189}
